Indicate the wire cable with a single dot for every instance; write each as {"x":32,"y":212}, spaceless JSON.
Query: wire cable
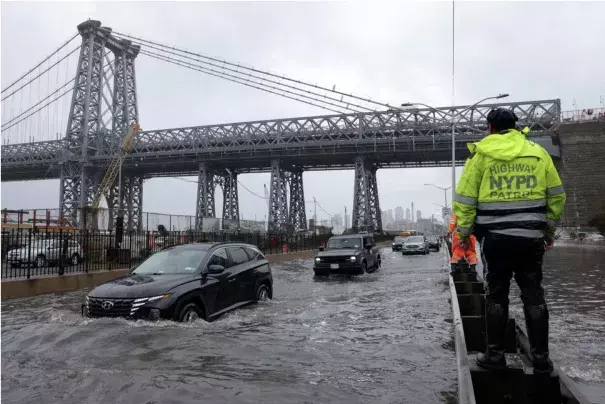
{"x":333,"y":89}
{"x":221,"y":75}
{"x":40,"y":74}
{"x":45,"y":59}
{"x":347,"y":106}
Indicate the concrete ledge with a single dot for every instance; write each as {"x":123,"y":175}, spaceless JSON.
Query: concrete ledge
{"x":17,"y":288}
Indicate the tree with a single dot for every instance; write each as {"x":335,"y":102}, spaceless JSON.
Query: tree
{"x":598,"y":220}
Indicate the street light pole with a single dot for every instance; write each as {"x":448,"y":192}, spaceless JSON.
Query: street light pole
{"x":453,"y":116}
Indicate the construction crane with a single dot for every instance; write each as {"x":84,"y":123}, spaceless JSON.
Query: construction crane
{"x":114,"y":168}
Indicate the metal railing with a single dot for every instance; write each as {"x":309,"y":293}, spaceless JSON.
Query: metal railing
{"x":27,"y":254}
{"x":583,"y":115}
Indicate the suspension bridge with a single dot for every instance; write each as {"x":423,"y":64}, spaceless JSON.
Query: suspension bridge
{"x":98,"y":103}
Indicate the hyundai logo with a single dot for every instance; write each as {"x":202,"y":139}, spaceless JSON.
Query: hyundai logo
{"x":107,"y":305}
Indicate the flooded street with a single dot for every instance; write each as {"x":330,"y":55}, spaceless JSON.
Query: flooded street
{"x":382,"y":337}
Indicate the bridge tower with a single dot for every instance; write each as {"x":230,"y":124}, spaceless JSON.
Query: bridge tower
{"x":366,"y":207}
{"x":284,"y":216}
{"x":88,"y":133}
{"x":208,"y":179}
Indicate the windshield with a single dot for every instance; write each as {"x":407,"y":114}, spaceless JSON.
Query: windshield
{"x":172,"y":261}
{"x":432,"y":238}
{"x":400,"y":239}
{"x":415,"y":239}
{"x":349,"y":242}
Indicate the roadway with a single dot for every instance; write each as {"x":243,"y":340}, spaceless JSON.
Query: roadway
{"x":383,"y":337}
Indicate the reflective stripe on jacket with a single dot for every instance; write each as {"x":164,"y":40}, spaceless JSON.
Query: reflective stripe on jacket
{"x":509,"y":186}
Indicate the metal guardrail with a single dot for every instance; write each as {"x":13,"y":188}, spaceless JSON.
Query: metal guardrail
{"x":583,"y":115}
{"x":27,"y":254}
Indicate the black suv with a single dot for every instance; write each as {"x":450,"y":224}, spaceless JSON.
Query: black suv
{"x":186,"y":282}
{"x":398,"y":243}
{"x":434,"y":242}
{"x":351,"y":254}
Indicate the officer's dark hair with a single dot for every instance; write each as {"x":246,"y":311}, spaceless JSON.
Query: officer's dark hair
{"x":502,"y":119}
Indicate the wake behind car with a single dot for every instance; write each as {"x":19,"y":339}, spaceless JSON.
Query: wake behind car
{"x":185,"y":283}
{"x":351,"y":254}
{"x":398,"y":243}
{"x":415,"y":245}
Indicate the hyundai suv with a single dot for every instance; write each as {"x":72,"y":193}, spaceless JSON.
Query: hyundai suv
{"x":351,"y":254}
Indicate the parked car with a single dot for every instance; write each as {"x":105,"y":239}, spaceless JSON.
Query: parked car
{"x":350,"y":254}
{"x":185,"y":283}
{"x":398,"y":243}
{"x":434,"y":242}
{"x":415,"y":245}
{"x":44,"y":252}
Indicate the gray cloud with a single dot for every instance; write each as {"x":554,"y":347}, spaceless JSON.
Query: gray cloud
{"x":395,"y":53}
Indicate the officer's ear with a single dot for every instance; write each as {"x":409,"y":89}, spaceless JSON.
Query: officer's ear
{"x":490,"y":129}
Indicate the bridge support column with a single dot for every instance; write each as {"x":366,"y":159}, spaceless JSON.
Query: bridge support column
{"x":230,"y":199}
{"x":205,"y":195}
{"x":79,"y":181}
{"x":132,"y":202}
{"x":366,"y":207}
{"x":298,"y":214}
{"x":278,"y":198}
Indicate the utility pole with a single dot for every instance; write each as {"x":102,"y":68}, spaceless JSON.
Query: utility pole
{"x":346,"y":221}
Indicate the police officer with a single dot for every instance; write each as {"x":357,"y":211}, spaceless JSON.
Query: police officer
{"x":511,"y":197}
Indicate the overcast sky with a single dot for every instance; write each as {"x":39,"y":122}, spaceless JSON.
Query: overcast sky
{"x":394,"y":52}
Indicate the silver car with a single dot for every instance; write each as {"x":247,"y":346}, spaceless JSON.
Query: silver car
{"x":415,"y":245}
{"x":43,"y":252}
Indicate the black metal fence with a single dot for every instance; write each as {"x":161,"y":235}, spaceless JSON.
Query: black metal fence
{"x":27,"y":254}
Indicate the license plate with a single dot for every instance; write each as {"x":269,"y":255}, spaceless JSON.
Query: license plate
{"x":333,"y":266}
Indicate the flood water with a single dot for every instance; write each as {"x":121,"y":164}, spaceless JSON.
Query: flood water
{"x":382,"y":338}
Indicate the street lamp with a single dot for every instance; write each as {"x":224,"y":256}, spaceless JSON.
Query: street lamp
{"x":444,"y":190}
{"x":453,"y":117}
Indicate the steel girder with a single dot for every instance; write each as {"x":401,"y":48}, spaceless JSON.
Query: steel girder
{"x":366,"y":207}
{"x":298,"y":213}
{"x":205,"y":207}
{"x":228,"y":182}
{"x":79,"y":180}
{"x":125,"y":114}
{"x":278,"y":203}
{"x":320,"y":132}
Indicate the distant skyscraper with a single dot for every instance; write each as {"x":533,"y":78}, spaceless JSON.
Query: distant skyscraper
{"x":418,"y":215}
{"x":398,"y":213}
{"x":408,"y":214}
{"x":384,"y":217}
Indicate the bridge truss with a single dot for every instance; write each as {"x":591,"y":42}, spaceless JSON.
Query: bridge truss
{"x":363,"y":140}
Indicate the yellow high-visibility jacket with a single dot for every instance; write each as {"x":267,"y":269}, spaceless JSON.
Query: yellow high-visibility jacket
{"x":509,"y":186}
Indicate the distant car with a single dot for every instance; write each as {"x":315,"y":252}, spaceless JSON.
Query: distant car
{"x":415,"y":245}
{"x":351,"y":254}
{"x":398,"y":243}
{"x":185,"y":283}
{"x":44,"y":252}
{"x":434,"y":242}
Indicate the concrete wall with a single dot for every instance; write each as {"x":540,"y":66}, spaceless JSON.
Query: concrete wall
{"x":13,"y":289}
{"x":582,"y":169}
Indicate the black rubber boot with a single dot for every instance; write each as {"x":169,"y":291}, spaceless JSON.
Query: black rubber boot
{"x":454,"y":268}
{"x":496,"y":319}
{"x":536,"y":320}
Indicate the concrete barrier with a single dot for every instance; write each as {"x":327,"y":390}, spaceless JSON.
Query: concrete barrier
{"x":17,"y":288}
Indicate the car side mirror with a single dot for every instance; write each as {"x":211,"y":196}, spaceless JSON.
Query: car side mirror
{"x":321,"y":248}
{"x":368,"y":246}
{"x":216,"y":269}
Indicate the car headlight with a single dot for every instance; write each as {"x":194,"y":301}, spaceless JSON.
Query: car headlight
{"x":317,"y":259}
{"x":144,"y":300}
{"x":393,"y":243}
{"x":353,"y":258}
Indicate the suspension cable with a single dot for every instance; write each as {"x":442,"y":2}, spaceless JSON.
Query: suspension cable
{"x":222,"y":76}
{"x":333,"y":90}
{"x":45,"y":59}
{"x":41,"y":73}
{"x":348,"y":104}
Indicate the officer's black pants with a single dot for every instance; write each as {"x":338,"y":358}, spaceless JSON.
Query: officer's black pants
{"x":505,"y":256}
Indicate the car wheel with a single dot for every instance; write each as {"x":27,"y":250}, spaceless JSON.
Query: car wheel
{"x":262,"y":293}
{"x":190,"y":313}
{"x":437,"y":249}
{"x":40,"y":261}
{"x":75,"y":259}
